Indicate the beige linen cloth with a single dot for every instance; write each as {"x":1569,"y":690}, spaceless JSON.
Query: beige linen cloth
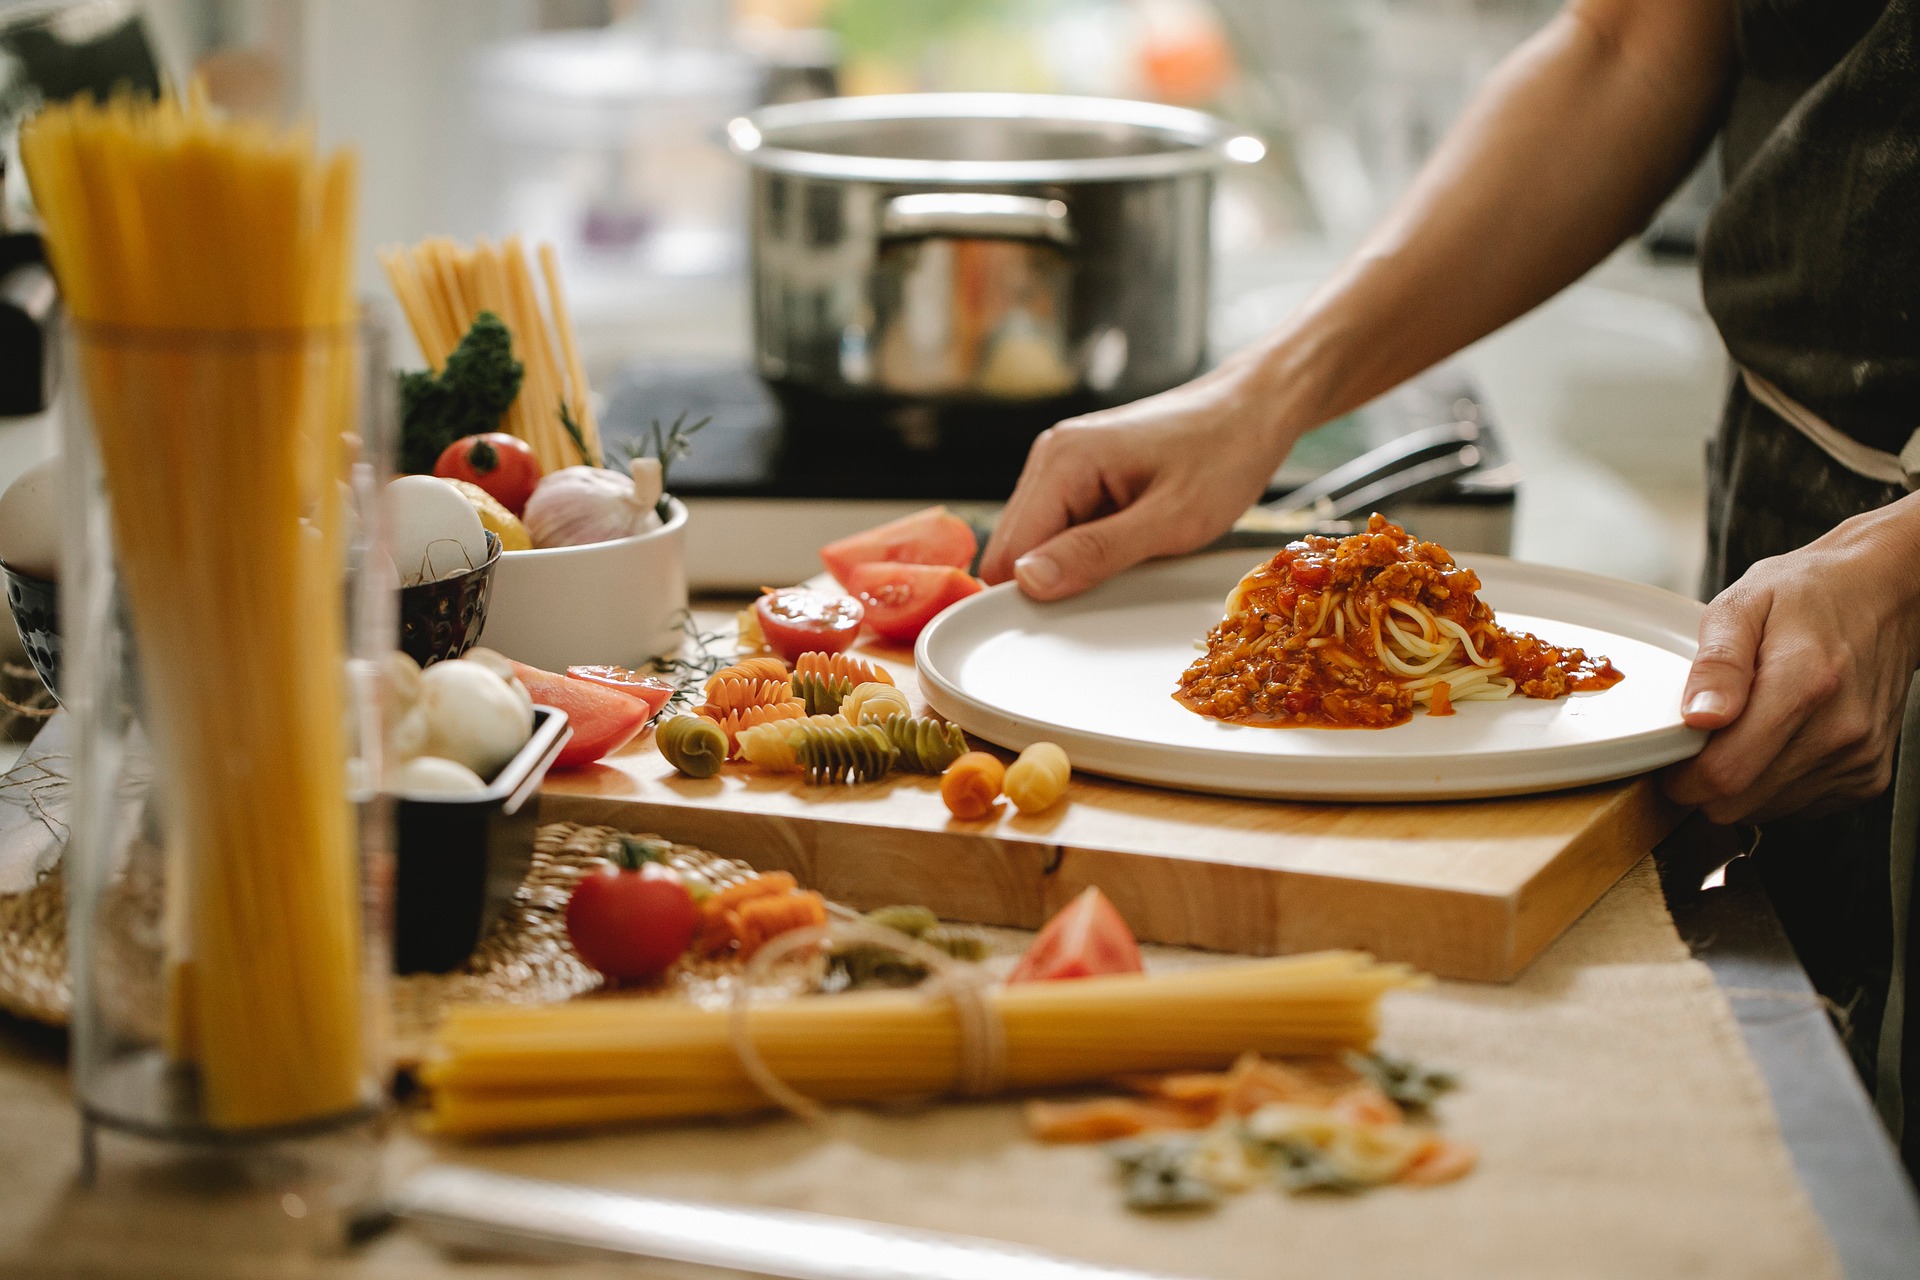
{"x":1623,"y":1132}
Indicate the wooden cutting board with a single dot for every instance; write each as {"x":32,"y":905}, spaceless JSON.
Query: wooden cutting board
{"x":1471,"y":889}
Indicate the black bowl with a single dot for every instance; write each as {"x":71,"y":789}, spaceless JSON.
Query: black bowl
{"x":35,"y":603}
{"x":442,"y":620}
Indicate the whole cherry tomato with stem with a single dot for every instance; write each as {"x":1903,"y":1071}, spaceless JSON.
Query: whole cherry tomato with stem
{"x":503,"y":465}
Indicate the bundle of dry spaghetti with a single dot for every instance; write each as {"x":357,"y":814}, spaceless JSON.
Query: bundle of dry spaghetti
{"x":443,"y":288}
{"x":206,"y":265}
{"x":504,"y":1069}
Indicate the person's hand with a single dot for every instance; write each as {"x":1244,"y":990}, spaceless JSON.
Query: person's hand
{"x":1802,"y":674}
{"x":1157,"y":477}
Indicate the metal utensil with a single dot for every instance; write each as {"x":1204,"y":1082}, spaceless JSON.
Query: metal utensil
{"x":1420,"y":461}
{"x":466,"y":1207}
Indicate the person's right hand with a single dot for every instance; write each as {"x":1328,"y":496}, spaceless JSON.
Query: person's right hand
{"x":1158,"y":477}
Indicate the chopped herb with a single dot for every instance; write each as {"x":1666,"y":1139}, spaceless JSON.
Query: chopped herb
{"x":1403,"y":1080}
{"x":1155,"y":1174}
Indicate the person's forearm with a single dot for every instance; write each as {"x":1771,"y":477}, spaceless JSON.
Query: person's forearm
{"x":1570,"y":147}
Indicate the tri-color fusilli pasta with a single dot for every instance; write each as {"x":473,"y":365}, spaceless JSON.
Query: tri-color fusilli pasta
{"x":843,"y":753}
{"x":874,"y":701}
{"x":694,"y":745}
{"x":971,"y":785}
{"x":926,"y":745}
{"x":770,"y":745}
{"x":1038,"y":779}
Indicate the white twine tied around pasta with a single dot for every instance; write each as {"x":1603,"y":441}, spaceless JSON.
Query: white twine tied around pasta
{"x":983,"y":1037}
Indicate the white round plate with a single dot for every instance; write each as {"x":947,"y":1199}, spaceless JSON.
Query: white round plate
{"x":1096,"y":674}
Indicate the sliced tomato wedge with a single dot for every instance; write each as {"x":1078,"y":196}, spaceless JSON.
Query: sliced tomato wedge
{"x":651,"y":688}
{"x":603,"y":719}
{"x":797,"y":620}
{"x":933,"y":536}
{"x":901,"y":599}
{"x":1085,"y":939}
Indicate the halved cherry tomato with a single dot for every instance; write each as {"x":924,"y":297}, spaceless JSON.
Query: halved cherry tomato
{"x":933,"y":536}
{"x":603,"y":720}
{"x":797,"y":620}
{"x":652,"y":689}
{"x":901,"y":599}
{"x":501,"y":464}
{"x":1085,"y":939}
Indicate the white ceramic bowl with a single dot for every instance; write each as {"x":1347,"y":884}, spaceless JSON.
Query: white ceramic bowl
{"x":619,"y":602}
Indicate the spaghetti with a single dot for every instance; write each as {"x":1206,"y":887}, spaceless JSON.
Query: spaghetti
{"x":206,"y":264}
{"x":443,"y":288}
{"x":1353,"y":632}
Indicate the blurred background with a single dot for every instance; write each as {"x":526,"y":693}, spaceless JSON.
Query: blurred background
{"x":594,"y":124}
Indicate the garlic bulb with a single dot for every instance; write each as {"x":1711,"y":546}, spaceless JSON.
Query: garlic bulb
{"x":577,"y":505}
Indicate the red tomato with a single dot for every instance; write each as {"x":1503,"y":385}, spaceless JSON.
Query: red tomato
{"x":629,"y":925}
{"x":1085,"y":939}
{"x":603,"y":720}
{"x":652,"y":689}
{"x":933,"y":536}
{"x":501,"y":464}
{"x":798,"y":620}
{"x":901,"y":599}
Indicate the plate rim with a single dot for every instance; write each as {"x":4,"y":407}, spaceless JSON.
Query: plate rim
{"x":1541,"y":770}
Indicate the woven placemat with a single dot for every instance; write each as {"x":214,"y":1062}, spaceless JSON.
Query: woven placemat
{"x":523,"y":958}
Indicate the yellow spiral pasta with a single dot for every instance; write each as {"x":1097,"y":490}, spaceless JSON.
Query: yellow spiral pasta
{"x":841,"y":667}
{"x":770,"y":745}
{"x":926,"y":745}
{"x":874,"y":701}
{"x":1036,"y":781}
{"x":838,"y":753}
{"x":694,"y":745}
{"x":971,"y":785}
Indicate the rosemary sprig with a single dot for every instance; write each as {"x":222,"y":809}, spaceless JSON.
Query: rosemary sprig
{"x":701,"y":654}
{"x":669,"y":444}
{"x":579,"y":437}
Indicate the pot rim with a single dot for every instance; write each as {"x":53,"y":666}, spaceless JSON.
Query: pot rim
{"x":1196,"y":142}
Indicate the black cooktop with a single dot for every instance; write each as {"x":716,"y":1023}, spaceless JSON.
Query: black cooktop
{"x":769,"y":442}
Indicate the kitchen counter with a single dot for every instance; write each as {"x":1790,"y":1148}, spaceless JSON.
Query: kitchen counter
{"x":1836,"y":1147}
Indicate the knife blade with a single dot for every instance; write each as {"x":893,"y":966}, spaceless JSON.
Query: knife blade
{"x":465,"y":1207}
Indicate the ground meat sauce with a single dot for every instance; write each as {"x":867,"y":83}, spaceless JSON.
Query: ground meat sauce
{"x":1298,"y":644}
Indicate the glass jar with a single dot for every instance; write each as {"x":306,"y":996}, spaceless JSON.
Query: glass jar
{"x":225,"y":597}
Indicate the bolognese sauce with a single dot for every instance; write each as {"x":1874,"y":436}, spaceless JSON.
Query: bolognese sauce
{"x":1353,"y":632}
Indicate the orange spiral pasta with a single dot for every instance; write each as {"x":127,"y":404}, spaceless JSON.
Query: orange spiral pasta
{"x":839,"y":666}
{"x":737,"y":693}
{"x":971,"y":785}
{"x":758,"y":921}
{"x":763,"y":668}
{"x":732,"y":722}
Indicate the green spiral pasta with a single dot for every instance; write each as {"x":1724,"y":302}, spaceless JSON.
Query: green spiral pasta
{"x":769,"y":745}
{"x":821,"y":691}
{"x":694,"y":745}
{"x":832,"y":753}
{"x":925,"y":745}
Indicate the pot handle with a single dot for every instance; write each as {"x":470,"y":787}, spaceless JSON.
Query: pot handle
{"x":976,"y":214}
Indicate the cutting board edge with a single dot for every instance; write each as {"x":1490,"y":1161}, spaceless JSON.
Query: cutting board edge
{"x":1218,"y":906}
{"x":1555,"y":896}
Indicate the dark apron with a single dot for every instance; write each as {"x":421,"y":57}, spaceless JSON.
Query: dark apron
{"x":1811,"y":269}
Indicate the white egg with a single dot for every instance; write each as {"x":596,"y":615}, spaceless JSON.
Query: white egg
{"x":434,"y":776}
{"x":30,"y":521}
{"x":435,"y":532}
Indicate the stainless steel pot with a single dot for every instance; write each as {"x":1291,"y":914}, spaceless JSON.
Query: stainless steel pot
{"x":991,"y":249}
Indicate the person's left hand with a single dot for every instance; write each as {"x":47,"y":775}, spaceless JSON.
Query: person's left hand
{"x":1802,"y":674}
